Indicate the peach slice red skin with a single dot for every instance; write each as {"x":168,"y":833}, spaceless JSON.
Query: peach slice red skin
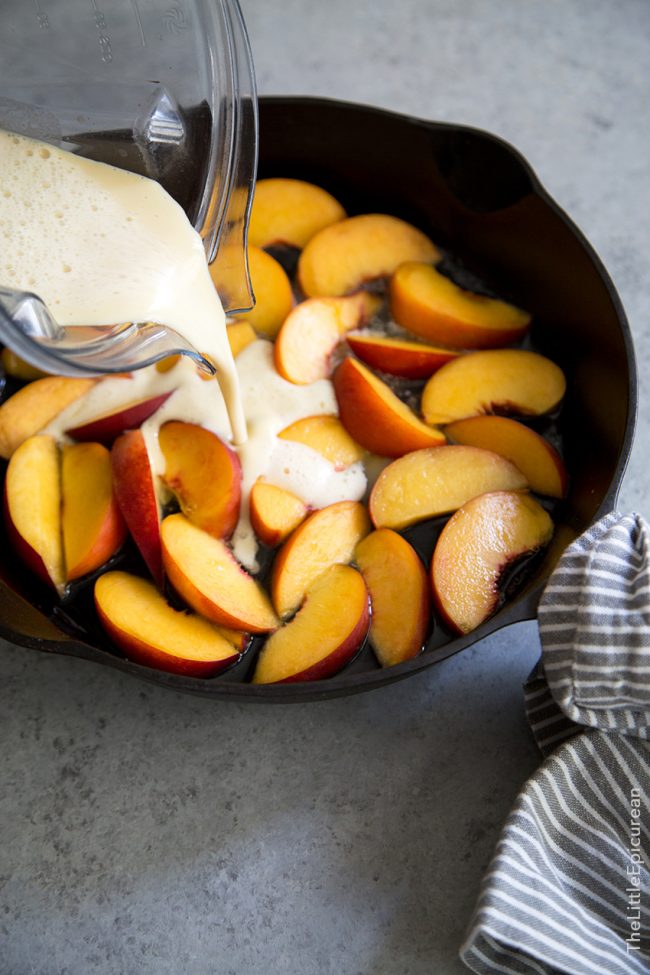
{"x":344,"y":256}
{"x":184,"y":583}
{"x":141,"y":653}
{"x":427,"y":483}
{"x":112,"y":530}
{"x":305,"y":343}
{"x":332,"y":664}
{"x":205,"y":607}
{"x":398,"y":357}
{"x":340,"y":526}
{"x":106,"y":545}
{"x":415,"y":293}
{"x":136,"y":496}
{"x":461,"y":565}
{"x":204,"y":474}
{"x":538,"y":460}
{"x":493,"y":381}
{"x":350,"y":643}
{"x":22,"y":548}
{"x":375,"y":417}
{"x":41,"y":512}
{"x":104,"y":429}
{"x":150,"y":655}
{"x":312,"y":331}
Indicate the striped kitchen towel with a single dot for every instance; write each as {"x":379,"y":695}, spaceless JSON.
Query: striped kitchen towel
{"x":568,"y":889}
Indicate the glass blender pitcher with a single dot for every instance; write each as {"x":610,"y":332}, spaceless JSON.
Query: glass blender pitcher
{"x":163,"y":88}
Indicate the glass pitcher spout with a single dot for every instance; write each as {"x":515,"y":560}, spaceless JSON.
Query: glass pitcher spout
{"x":27,"y":327}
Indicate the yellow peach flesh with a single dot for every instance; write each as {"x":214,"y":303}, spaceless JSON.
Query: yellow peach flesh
{"x":341,"y":258}
{"x":151,"y":631}
{"x":272,"y":290}
{"x":274,"y":512}
{"x":535,"y":457}
{"x":205,"y":573}
{"x":93,"y":528}
{"x":431,"y":305}
{"x":33,"y":500}
{"x":495,"y":380}
{"x":325,"y":633}
{"x":432,"y":482}
{"x":478,"y":542}
{"x":240,"y":336}
{"x":290,"y":211}
{"x":326,"y":538}
{"x":204,"y":474}
{"x":375,"y":416}
{"x":399,"y":595}
{"x":305,"y":343}
{"x":327,"y":435}
{"x":34,"y":406}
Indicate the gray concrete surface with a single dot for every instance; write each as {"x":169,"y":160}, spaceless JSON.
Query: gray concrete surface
{"x":142,"y":831}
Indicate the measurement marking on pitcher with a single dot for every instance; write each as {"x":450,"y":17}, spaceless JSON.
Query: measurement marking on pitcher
{"x":134,"y":4}
{"x":103,"y":38}
{"x":41,"y":16}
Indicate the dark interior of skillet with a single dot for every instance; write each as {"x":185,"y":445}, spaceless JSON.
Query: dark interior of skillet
{"x":481,"y":204}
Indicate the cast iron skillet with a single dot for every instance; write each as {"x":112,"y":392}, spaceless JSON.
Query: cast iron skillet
{"x":480,"y":201}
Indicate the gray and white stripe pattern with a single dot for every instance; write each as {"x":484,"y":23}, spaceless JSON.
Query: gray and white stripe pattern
{"x":594,"y":623}
{"x":568,"y":890}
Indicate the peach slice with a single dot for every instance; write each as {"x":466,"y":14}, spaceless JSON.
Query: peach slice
{"x":93,"y":527}
{"x":237,"y":638}
{"x":328,"y":537}
{"x":34,"y":406}
{"x":240,"y":335}
{"x":345,"y":256}
{"x":535,"y":457}
{"x":204,"y":474}
{"x":150,"y":631}
{"x":272,"y":290}
{"x":327,"y":435}
{"x":428,"y":483}
{"x":105,"y":428}
{"x":205,"y":573}
{"x":313,"y":330}
{"x":32,"y":505}
{"x":478,"y":543}
{"x":493,"y":381}
{"x":135,"y":491}
{"x":375,"y":417}
{"x":433,"y":306}
{"x":398,"y":357}
{"x":168,"y":363}
{"x":329,"y":628}
{"x":399,"y":595}
{"x":14,"y":366}
{"x":290,"y":211}
{"x":274,"y":512}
